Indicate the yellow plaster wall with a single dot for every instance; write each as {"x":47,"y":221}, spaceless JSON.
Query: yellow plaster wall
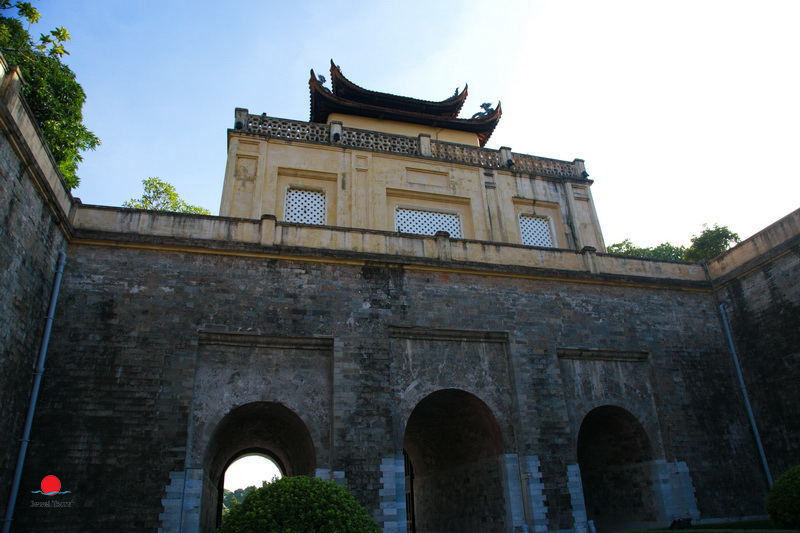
{"x":364,"y":188}
{"x":403,"y":128}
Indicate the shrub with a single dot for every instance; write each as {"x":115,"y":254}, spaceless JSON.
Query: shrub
{"x":298,"y":504}
{"x":783,"y":501}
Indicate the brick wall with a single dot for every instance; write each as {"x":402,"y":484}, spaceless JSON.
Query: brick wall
{"x":29,"y":243}
{"x":116,"y":414}
{"x":762,"y":296}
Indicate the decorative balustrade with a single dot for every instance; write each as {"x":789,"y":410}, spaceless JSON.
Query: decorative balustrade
{"x":287,"y":129}
{"x":296,"y":130}
{"x":381,"y":142}
{"x":463,"y":153}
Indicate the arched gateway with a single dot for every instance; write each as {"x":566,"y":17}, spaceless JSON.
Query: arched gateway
{"x":267,"y":428}
{"x":453,"y":448}
{"x":615,"y":458}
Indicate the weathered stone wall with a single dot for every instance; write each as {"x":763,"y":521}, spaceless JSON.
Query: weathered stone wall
{"x":117,"y":412}
{"x":470,"y":499}
{"x":30,"y":239}
{"x":758,"y":283}
{"x":29,"y":245}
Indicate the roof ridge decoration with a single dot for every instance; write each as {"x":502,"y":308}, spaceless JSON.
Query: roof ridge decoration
{"x":348,"y":98}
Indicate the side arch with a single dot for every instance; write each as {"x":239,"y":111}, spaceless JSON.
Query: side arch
{"x":454,"y":450}
{"x":642,"y":410}
{"x":616,"y":461}
{"x":494,"y":405}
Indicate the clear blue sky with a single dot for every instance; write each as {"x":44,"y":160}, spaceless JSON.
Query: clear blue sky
{"x":686,"y":112}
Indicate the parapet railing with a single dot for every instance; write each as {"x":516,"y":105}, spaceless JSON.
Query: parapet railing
{"x":421,"y":146}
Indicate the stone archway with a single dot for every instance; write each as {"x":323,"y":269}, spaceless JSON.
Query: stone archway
{"x":453,"y":447}
{"x":616,"y":462}
{"x":266,"y":428}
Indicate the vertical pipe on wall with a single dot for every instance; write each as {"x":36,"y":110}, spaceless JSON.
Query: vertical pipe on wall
{"x":744,"y":394}
{"x":37,"y":380}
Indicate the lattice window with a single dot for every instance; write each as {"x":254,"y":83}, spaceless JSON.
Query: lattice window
{"x":426,"y":222}
{"x":535,"y":230}
{"x":304,"y":206}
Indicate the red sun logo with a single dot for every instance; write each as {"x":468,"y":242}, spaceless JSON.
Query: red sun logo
{"x":51,"y":485}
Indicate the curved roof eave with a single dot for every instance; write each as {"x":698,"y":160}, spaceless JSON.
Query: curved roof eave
{"x":324,"y":102}
{"x":344,"y":88}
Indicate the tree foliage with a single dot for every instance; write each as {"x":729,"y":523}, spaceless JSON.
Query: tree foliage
{"x":710,"y":243}
{"x":161,"y":196}
{"x":300,"y":504}
{"x":50,"y":89}
{"x":662,"y":251}
{"x":783,"y":501}
{"x":231,"y":499}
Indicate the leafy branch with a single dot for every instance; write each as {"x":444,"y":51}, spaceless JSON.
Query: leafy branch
{"x":161,"y":196}
{"x":52,"y":44}
{"x":55,"y":97}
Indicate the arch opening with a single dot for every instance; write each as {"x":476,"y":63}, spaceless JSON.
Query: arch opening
{"x":268,"y":429}
{"x":252,"y":468}
{"x":453,"y":448}
{"x":615,"y":458}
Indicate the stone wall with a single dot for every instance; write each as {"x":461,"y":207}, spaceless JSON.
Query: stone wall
{"x":117,"y":412}
{"x":757,"y":282}
{"x":30,"y":239}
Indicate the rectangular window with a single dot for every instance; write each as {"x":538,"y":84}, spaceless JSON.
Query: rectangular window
{"x":304,"y":206}
{"x":535,"y":230}
{"x":426,"y":222}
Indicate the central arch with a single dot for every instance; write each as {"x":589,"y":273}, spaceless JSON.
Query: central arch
{"x":615,"y":458}
{"x":264,"y":428}
{"x":453,"y":447}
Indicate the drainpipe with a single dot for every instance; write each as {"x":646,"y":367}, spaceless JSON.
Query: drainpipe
{"x":37,"y":381}
{"x":744,"y":393}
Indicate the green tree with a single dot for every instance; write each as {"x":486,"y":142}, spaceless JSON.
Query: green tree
{"x":710,"y":243}
{"x":232,"y":498}
{"x":161,"y":196}
{"x":662,"y":251}
{"x":50,"y":89}
{"x":298,"y":503}
{"x":783,"y":501}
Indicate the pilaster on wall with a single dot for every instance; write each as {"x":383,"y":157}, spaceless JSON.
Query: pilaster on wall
{"x":674,"y":491}
{"x":515,"y":506}
{"x":575,"y":487}
{"x":181,"y":502}
{"x":534,"y":492}
{"x":392,"y":495}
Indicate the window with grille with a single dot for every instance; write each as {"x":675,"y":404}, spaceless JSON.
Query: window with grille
{"x":426,"y":222}
{"x":304,"y":206}
{"x":535,"y":230}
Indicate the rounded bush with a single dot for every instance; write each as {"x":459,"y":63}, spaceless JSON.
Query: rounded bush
{"x":783,"y":501}
{"x":298,"y":504}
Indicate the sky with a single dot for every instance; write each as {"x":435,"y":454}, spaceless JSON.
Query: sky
{"x":686,"y":112}
{"x":250,"y":471}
